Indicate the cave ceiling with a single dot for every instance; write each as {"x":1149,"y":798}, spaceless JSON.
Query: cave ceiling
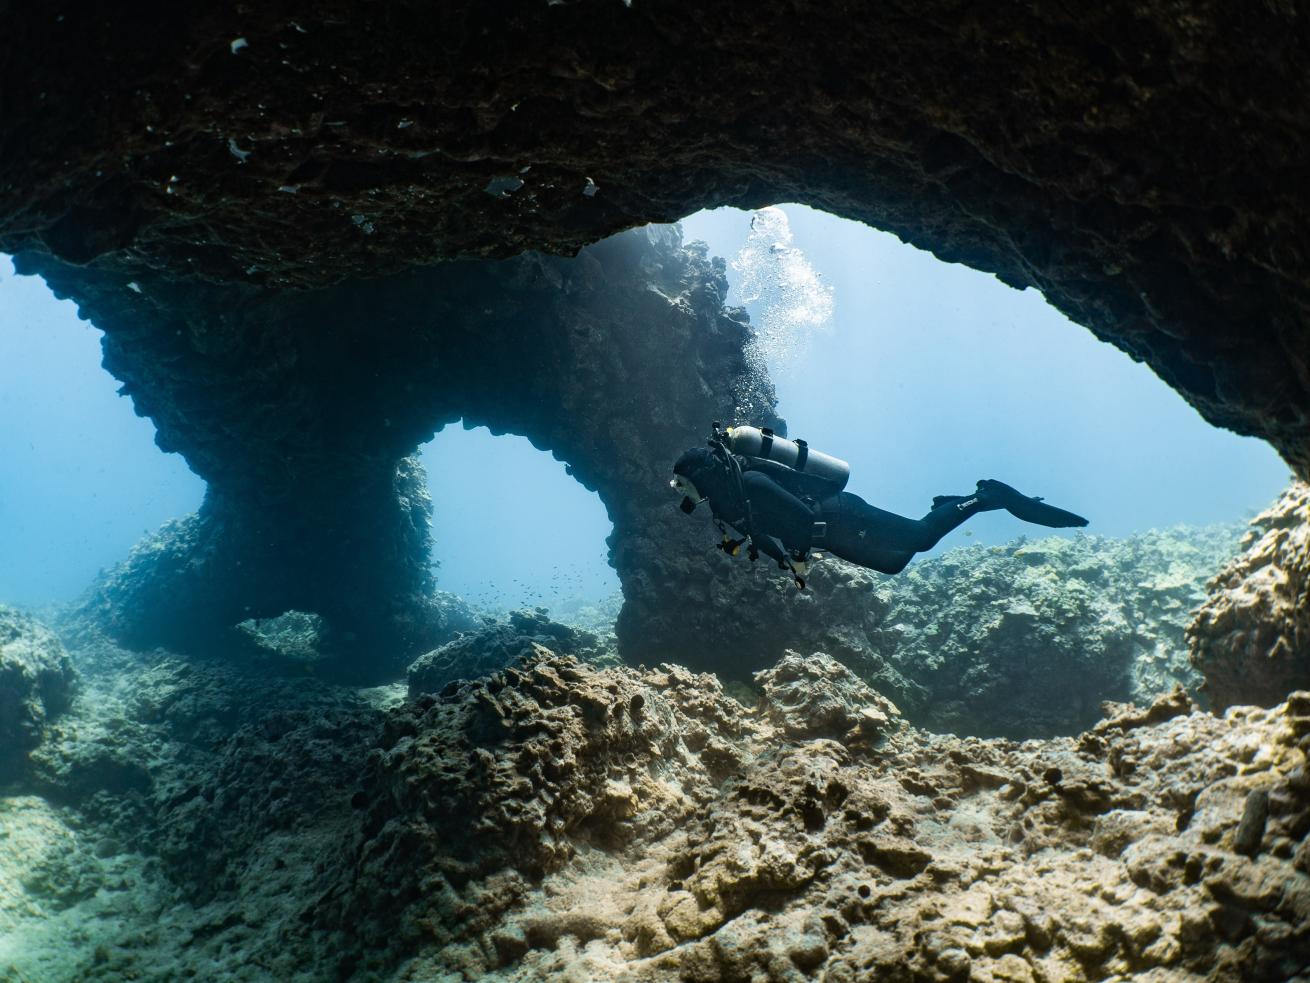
{"x":1144,"y":165}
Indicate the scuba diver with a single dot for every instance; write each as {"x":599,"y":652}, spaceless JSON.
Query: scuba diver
{"x":785,"y":500}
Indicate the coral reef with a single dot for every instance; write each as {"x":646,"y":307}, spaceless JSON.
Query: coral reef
{"x":559,"y":819}
{"x":36,"y":685}
{"x":1023,"y":640}
{"x":1084,"y":151}
{"x":1251,"y":638}
{"x":493,"y":647}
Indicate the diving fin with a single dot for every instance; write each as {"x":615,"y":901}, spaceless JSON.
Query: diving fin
{"x":1029,"y":509}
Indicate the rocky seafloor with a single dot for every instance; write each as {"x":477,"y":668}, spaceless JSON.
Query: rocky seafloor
{"x":526,"y":807}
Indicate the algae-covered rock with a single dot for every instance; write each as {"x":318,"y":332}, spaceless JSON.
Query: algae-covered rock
{"x":296,"y":636}
{"x":559,"y":820}
{"x":499,"y":644}
{"x":36,"y":684}
{"x":1251,"y":639}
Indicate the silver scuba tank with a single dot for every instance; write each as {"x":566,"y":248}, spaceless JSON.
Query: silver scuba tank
{"x":795,"y":454}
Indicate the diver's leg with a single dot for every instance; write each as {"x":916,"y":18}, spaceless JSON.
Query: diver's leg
{"x":884,"y":541}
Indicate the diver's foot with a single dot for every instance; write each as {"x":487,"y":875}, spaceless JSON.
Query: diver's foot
{"x":940,"y":500}
{"x":1030,"y":509}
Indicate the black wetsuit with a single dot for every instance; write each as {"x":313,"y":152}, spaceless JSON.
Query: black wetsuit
{"x":844,"y":524}
{"x":788,"y":513}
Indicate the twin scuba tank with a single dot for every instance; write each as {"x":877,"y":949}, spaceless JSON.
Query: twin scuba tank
{"x":831,"y":473}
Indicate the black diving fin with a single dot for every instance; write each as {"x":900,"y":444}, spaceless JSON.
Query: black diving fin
{"x":1028,"y":509}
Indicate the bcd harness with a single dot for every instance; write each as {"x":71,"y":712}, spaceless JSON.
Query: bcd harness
{"x":721,"y":448}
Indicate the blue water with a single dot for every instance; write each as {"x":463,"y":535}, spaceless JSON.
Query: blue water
{"x":80,"y":477}
{"x":925,"y":376}
{"x":929,"y":376}
{"x":502,"y":549}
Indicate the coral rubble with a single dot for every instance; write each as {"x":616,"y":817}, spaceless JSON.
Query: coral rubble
{"x":1251,"y":638}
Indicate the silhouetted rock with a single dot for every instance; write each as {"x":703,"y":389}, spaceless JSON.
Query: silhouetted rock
{"x":1140,"y":167}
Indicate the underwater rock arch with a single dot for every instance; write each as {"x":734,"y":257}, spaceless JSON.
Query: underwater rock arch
{"x":1143,"y":167}
{"x":304,"y":425}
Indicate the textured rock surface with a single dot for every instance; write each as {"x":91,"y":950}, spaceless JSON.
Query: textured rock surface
{"x":546,"y":828}
{"x":1137,"y":163}
{"x":557,"y":820}
{"x":36,"y":685}
{"x":492,"y":647}
{"x":1023,"y":640}
{"x":299,"y":411}
{"x":1251,"y":639}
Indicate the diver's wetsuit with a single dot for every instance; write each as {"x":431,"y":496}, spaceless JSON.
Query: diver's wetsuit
{"x":849,"y":527}
{"x":789,"y":513}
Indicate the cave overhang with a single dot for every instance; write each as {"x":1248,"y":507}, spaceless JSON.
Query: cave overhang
{"x":1139,"y":167}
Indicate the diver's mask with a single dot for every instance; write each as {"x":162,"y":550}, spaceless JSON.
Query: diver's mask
{"x":691,"y":497}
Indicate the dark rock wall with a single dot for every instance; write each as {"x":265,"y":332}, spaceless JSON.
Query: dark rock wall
{"x":299,"y":409}
{"x":1251,"y":638}
{"x":1143,"y":165}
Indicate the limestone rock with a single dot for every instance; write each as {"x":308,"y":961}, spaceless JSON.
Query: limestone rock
{"x":1251,"y":638}
{"x":315,"y":501}
{"x":494,"y":646}
{"x":36,"y":685}
{"x":477,"y":794}
{"x":556,"y":819}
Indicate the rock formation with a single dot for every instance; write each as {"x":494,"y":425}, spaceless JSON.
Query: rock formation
{"x":253,"y":171}
{"x":36,"y":685}
{"x":1024,"y":640}
{"x":492,"y":647}
{"x":559,"y":820}
{"x":299,"y":410}
{"x":1251,"y":638}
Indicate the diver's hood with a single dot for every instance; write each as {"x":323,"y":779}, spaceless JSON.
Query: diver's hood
{"x":696,"y":461}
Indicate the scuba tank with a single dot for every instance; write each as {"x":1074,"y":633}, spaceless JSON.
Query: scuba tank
{"x":794,"y":454}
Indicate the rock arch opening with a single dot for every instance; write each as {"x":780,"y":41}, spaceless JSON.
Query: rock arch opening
{"x":511,"y":528}
{"x":928,"y":375}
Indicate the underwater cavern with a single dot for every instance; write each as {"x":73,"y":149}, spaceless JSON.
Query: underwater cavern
{"x":266,"y":746}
